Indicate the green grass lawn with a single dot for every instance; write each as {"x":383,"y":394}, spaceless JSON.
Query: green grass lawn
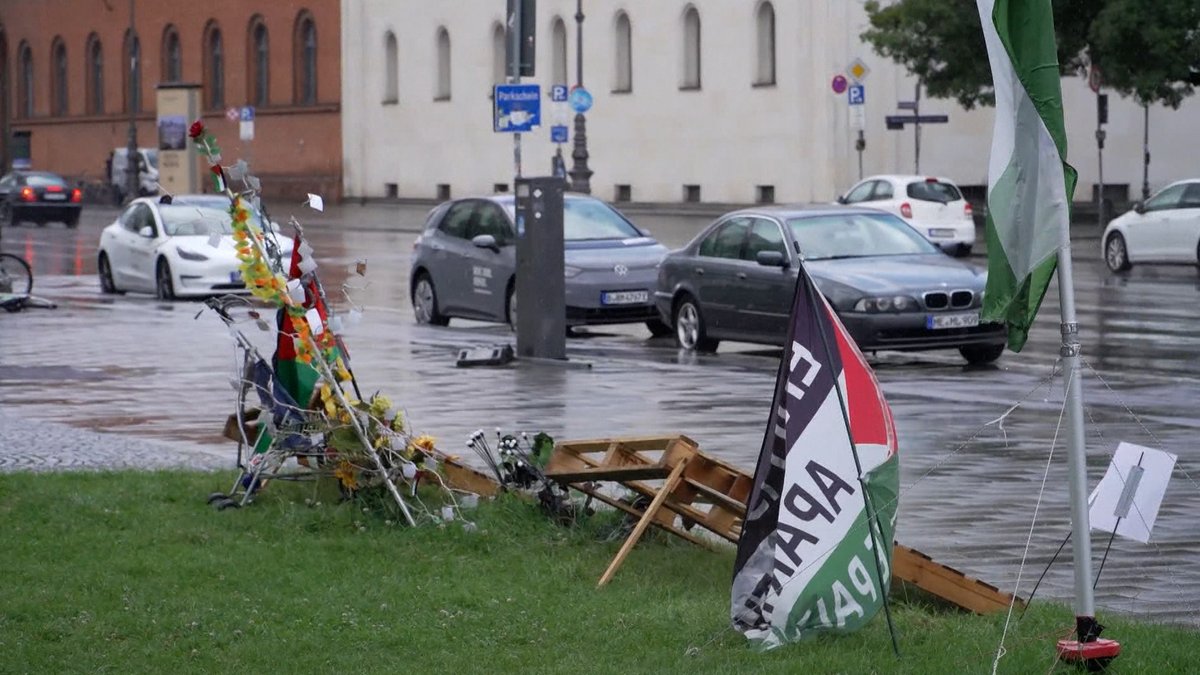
{"x":132,"y":572}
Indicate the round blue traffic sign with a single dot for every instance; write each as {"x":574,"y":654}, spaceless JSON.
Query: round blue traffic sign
{"x":580,"y":100}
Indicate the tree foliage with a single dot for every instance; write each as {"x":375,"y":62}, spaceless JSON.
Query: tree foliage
{"x":941,"y":42}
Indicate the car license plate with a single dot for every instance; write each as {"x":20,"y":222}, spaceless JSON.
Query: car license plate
{"x":957,"y":320}
{"x":624,"y":297}
{"x":235,"y":277}
{"x":54,"y":196}
{"x":941,"y":232}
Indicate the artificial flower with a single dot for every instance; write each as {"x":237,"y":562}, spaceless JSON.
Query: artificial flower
{"x":196,"y":130}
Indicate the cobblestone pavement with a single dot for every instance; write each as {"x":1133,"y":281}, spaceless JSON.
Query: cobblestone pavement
{"x":109,"y":382}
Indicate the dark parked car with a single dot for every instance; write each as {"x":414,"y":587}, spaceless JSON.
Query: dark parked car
{"x":38,"y":197}
{"x":464,"y":264}
{"x":889,"y":285}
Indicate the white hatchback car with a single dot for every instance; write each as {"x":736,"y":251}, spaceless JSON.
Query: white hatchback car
{"x":182,"y":248}
{"x":932,"y":205}
{"x":1164,"y":229}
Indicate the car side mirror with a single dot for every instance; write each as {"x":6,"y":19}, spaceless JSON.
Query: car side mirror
{"x":1139,"y":207}
{"x":147,"y":232}
{"x":841,"y":199}
{"x":486,"y":241}
{"x":772,"y":259}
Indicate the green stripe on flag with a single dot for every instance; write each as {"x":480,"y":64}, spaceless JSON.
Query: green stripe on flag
{"x":1030,"y":183}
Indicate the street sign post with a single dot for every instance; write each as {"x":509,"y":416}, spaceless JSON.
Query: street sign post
{"x":558,"y":93}
{"x":233,"y":114}
{"x":856,"y":94}
{"x":580,"y":99}
{"x":898,"y":121}
{"x":839,"y":83}
{"x":907,"y":105}
{"x":246,"y":125}
{"x":558,"y":133}
{"x":857,"y":70}
{"x":516,"y":108}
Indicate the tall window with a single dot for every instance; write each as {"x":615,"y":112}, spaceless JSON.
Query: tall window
{"x":443,"y":66}
{"x":765,"y":29}
{"x":391,"y":70}
{"x":260,"y":63}
{"x":214,"y":67}
{"x":691,"y":49}
{"x":499,"y":54}
{"x":558,"y":52}
{"x":305,"y":50}
{"x":172,"y":56}
{"x":624,"y":34}
{"x":132,"y":73}
{"x":58,"y":78}
{"x":95,"y":76}
{"x":25,"y":84}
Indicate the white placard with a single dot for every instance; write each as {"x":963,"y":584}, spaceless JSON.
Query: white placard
{"x":1128,"y":496}
{"x":315,"y":202}
{"x":295,"y":290}
{"x":214,"y":239}
{"x":858,"y":117}
{"x":313,"y":317}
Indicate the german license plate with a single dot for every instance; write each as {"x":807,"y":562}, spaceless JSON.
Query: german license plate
{"x":957,"y":320}
{"x":941,"y":232}
{"x":624,"y":297}
{"x":54,"y":196}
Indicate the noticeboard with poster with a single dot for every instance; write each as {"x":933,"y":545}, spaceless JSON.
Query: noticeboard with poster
{"x":172,"y":132}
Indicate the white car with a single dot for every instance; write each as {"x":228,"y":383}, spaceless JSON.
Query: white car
{"x":181,"y":248}
{"x":1166,"y":229}
{"x":932,"y":205}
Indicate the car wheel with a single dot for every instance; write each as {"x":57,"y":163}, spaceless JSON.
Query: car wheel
{"x":104,"y":269}
{"x":510,"y":308}
{"x":658,"y":327}
{"x":978,"y":355}
{"x":1116,"y":254}
{"x":690,"y":332}
{"x":72,"y":222}
{"x":164,"y":286}
{"x":425,"y":304}
{"x":6,"y":215}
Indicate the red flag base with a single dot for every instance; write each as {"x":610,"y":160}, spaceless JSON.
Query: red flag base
{"x":1095,"y":654}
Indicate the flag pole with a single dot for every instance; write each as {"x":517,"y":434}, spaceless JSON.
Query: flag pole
{"x":1081,"y":535}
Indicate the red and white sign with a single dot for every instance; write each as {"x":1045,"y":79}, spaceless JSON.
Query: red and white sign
{"x":233,"y":114}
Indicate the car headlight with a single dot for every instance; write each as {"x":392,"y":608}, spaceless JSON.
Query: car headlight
{"x":571,"y":271}
{"x":887,"y":303}
{"x":189,"y":255}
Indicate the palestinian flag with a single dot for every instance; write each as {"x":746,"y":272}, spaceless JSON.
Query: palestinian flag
{"x":816,"y":546}
{"x":1030,"y":184}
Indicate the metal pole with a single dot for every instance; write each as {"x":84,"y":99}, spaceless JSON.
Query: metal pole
{"x":917,"y":130}
{"x":1099,"y":166}
{"x":1081,"y":535}
{"x":1145,"y":151}
{"x":860,"y":146}
{"x":514,"y":71}
{"x":132,"y":179}
{"x":580,"y":173}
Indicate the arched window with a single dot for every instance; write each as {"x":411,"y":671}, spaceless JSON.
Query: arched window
{"x":132,"y":73}
{"x":691,"y":49}
{"x":25,"y":81}
{"x":58,"y":78}
{"x":558,"y":52}
{"x":443,"y":65}
{"x":259,"y":63}
{"x":172,"y":55}
{"x":624,"y":35}
{"x":391,"y":70}
{"x":95,"y":76}
{"x":499,"y":55}
{"x":214,"y":67}
{"x":305,"y":51}
{"x":764,"y":22}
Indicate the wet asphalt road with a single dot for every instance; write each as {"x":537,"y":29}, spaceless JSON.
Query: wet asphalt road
{"x":131,"y":381}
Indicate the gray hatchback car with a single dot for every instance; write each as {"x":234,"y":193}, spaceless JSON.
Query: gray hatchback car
{"x":464,"y":264}
{"x":890,"y":287}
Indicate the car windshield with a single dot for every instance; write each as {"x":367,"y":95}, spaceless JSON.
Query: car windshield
{"x":856,"y":235}
{"x":182,"y":220}
{"x":933,"y":190}
{"x":590,"y":219}
{"x":43,"y":180}
{"x":153,"y":155}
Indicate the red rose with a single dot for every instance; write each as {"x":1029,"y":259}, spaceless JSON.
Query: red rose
{"x":197,"y":129}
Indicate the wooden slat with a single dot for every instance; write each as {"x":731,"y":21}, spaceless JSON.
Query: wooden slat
{"x":618,"y":473}
{"x":948,"y":583}
{"x":646,"y":520}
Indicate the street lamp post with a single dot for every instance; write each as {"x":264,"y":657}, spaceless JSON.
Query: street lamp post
{"x":131,"y":165}
{"x":580,"y":173}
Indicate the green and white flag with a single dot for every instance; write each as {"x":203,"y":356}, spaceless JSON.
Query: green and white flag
{"x":1030,"y":183}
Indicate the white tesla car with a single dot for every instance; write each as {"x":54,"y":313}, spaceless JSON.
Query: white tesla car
{"x":181,"y":248}
{"x":932,"y":205}
{"x":1165,"y":229}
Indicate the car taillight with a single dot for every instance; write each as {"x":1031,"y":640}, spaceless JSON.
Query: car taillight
{"x":906,"y":210}
{"x":27,"y":194}
{"x":77,"y":196}
{"x":967,"y":210}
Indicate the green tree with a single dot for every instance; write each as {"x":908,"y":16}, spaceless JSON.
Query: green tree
{"x":1148,"y":49}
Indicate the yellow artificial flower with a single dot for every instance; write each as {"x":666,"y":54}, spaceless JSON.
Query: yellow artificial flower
{"x":345,"y":473}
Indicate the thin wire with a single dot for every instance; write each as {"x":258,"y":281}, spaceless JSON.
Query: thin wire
{"x":1000,"y":651}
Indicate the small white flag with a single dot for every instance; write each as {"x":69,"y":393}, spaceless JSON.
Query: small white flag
{"x":313,"y":317}
{"x":315,"y":202}
{"x":295,"y":291}
{"x":214,"y":239}
{"x":1127,"y":498}
{"x":307,"y":265}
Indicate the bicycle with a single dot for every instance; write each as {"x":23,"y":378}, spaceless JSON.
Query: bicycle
{"x":15,"y":276}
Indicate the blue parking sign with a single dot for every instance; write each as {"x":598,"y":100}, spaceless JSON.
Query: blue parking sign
{"x":856,"y":94}
{"x":247,"y":113}
{"x":558,"y":93}
{"x":516,"y":107}
{"x":558,"y":133}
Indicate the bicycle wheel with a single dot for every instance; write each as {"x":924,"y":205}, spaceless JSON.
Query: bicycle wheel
{"x":15,"y":276}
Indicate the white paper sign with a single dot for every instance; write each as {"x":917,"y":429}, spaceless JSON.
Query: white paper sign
{"x":315,"y":202}
{"x":214,"y":239}
{"x":1127,"y":498}
{"x":313,"y":317}
{"x":295,"y":291}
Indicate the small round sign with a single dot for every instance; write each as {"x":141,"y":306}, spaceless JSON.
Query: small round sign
{"x":580,"y":99}
{"x":839,"y":84}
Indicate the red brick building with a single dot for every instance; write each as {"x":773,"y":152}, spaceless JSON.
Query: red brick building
{"x":66,"y":81}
